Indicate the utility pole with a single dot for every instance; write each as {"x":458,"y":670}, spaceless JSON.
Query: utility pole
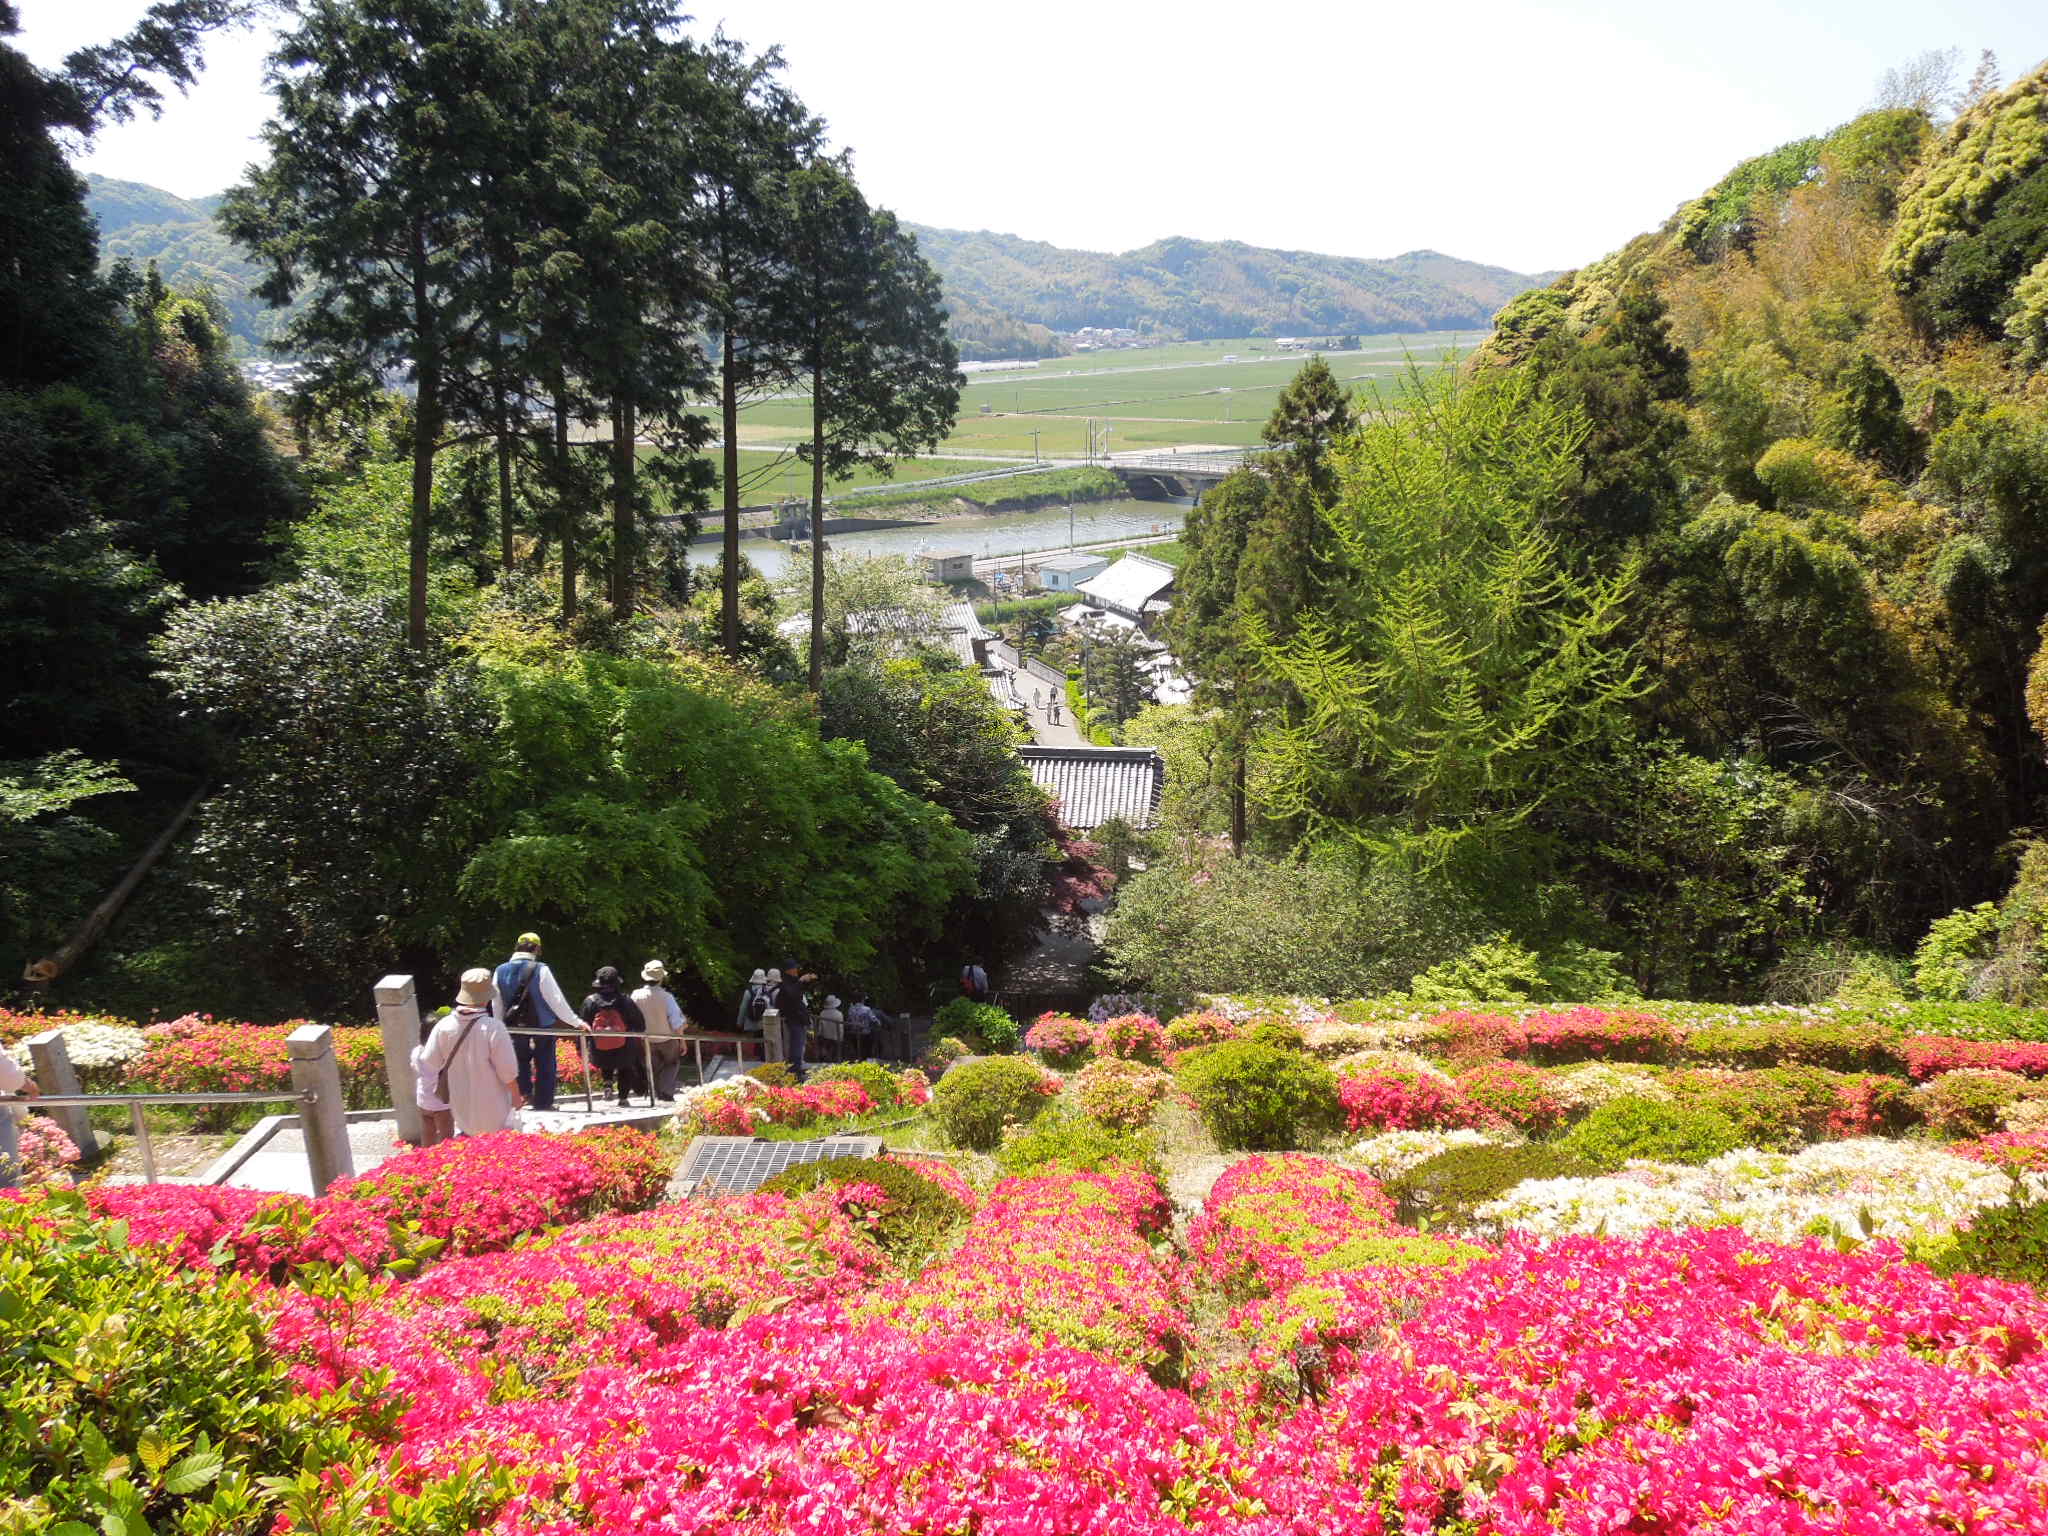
{"x":1034,"y":444}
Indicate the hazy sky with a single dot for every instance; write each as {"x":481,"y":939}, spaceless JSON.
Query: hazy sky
{"x":1528,"y":135}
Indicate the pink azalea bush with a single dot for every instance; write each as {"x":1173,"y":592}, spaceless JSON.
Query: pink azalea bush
{"x":1396,"y":1099}
{"x":1602,"y":1034}
{"x":1120,"y":1093}
{"x":1930,"y":1055}
{"x":44,"y":1151}
{"x":1131,"y":1037}
{"x":2019,"y":1151}
{"x":196,"y":1054}
{"x":1060,"y":1038}
{"x":1204,"y":1027}
{"x":1270,"y":1220}
{"x":1523,"y":1096}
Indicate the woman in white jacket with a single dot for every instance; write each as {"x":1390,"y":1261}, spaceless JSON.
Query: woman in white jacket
{"x":13,"y":1080}
{"x":474,"y":1050}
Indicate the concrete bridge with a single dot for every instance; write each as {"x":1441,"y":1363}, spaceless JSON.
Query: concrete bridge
{"x":1180,"y":477}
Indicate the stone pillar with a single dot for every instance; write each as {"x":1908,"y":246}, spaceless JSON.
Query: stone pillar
{"x":771,"y":1036}
{"x":398,"y":1016}
{"x":325,"y":1121}
{"x":50,"y":1065}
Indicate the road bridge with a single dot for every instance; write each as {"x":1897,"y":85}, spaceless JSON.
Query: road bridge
{"x":1180,"y":477}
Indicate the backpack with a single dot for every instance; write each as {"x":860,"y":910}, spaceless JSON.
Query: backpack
{"x":609,"y":1025}
{"x":522,"y":1012}
{"x":757,"y":1003}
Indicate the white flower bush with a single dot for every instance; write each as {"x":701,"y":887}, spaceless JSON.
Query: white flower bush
{"x":99,"y":1050}
{"x":1859,"y":1189}
{"x":1587,"y":1085}
{"x":1361,"y":1062}
{"x":1392,"y":1153}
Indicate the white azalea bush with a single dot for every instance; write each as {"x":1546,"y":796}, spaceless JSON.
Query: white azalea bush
{"x":1856,"y":1190}
{"x":1358,"y":1063}
{"x":1392,"y":1153}
{"x":100,"y":1052}
{"x":1589,"y":1084}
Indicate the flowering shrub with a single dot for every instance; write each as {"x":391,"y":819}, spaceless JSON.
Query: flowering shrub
{"x":1849,"y":1189}
{"x":1060,"y":1038}
{"x":1203,"y":1027}
{"x":480,"y":1193}
{"x":742,"y":1106}
{"x":1684,"y":1383}
{"x":1359,"y":1063}
{"x":258,"y":1234}
{"x":884,"y":1088}
{"x":1271,"y":1222}
{"x":1479,"y":1036}
{"x":1397,"y":1100}
{"x":1587,"y":1085}
{"x":1132,"y":1037}
{"x":1629,"y":1128}
{"x":1392,"y":1153}
{"x":913,"y":1087}
{"x":44,"y":1150}
{"x":16,"y":1027}
{"x":194,"y":1054}
{"x":943,"y":1174}
{"x":1867,"y":1103}
{"x":1968,"y":1101}
{"x":939,"y":1056}
{"x":1842,"y":1045}
{"x":1930,"y":1055}
{"x":1061,"y":1256}
{"x":973,"y":1103}
{"x":2021,"y":1152}
{"x":1607,"y":1034}
{"x":100,"y":1051}
{"x":1120,"y":1093}
{"x":1525,"y":1097}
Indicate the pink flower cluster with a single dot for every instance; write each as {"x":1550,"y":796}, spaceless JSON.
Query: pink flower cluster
{"x":1399,"y":1099}
{"x":1931,"y":1055}
{"x":1577,"y":1034}
{"x":1686,"y":1383}
{"x":476,"y":1194}
{"x":196,"y":1054}
{"x":2019,"y":1151}
{"x":741,"y":1114}
{"x":1060,"y":1038}
{"x":1270,"y":1219}
{"x":42,"y":1150}
{"x":1060,"y":1256}
{"x":1132,"y":1037}
{"x":1524,"y":1096}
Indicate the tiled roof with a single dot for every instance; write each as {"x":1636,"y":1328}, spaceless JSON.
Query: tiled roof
{"x":1129,"y":584}
{"x":961,"y":616}
{"x":1073,"y":563}
{"x":1096,"y":784}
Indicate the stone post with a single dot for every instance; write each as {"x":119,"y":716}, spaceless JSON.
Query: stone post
{"x":50,"y":1065}
{"x":324,"y":1123}
{"x":771,"y":1036}
{"x":398,"y":1016}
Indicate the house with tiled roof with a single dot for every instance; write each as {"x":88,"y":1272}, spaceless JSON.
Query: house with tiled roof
{"x":1099,"y":784}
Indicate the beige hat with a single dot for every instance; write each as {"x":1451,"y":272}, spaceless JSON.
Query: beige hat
{"x":654,"y":971}
{"x":757,"y":978}
{"x":475,"y":991}
{"x":775,"y":977}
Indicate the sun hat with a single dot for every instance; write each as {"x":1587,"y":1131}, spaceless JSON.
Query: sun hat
{"x":757,"y":978}
{"x":528,"y":941}
{"x":607,"y":976}
{"x":475,"y":991}
{"x":654,"y":971}
{"x":774,"y":976}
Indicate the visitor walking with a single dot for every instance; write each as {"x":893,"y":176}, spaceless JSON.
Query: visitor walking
{"x":665,"y":1025}
{"x":13,"y":1080}
{"x":437,"y":1121}
{"x":831,"y":1026}
{"x":529,"y":997}
{"x":469,"y":1059}
{"x":864,"y":1024}
{"x":795,"y":1010}
{"x":756,"y":1000}
{"x":974,"y":982}
{"x":613,"y":1019}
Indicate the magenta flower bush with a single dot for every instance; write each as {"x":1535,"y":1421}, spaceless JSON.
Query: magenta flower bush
{"x":1395,"y":1099}
{"x":1131,"y":1037}
{"x":1930,"y":1055}
{"x":1523,"y":1096}
{"x":1063,"y":1040}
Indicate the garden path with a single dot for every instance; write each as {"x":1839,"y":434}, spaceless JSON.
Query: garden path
{"x":1188,"y":1183}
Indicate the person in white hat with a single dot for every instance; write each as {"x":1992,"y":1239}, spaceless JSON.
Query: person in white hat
{"x":469,"y":1045}
{"x":754,"y":1001}
{"x":665,"y":1025}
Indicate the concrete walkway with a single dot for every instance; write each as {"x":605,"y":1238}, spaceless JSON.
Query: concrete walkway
{"x":1047,"y":734}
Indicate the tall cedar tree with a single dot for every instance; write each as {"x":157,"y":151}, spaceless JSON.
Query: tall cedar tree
{"x":756,"y":133}
{"x":885,"y":378}
{"x":382,"y":118}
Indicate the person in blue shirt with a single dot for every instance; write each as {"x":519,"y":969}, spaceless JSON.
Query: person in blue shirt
{"x":527,"y":996}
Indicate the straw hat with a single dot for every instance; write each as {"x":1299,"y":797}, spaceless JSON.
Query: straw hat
{"x":654,"y":971}
{"x":475,"y":991}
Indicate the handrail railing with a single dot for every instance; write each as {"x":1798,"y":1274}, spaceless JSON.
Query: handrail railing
{"x":136,"y":1103}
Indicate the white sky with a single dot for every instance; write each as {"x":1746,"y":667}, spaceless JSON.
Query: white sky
{"x":1531,"y":136}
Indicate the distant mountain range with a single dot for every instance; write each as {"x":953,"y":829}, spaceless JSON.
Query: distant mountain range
{"x":1007,"y":295}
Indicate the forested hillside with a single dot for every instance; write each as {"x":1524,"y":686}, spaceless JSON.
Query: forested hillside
{"x":140,"y":224}
{"x":1205,"y":288}
{"x":1701,"y":621}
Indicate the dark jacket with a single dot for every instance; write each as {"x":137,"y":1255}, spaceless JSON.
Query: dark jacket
{"x":789,"y":1002}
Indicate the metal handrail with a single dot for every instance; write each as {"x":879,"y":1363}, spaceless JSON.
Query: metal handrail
{"x":582,"y":1038}
{"x":307,"y":1098}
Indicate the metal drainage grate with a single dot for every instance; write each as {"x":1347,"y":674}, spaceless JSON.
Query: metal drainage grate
{"x":739,"y":1165}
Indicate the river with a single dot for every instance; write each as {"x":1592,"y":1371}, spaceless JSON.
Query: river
{"x":1004,"y":533}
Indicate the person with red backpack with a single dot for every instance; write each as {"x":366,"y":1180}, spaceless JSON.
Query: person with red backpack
{"x":614,"y":1019}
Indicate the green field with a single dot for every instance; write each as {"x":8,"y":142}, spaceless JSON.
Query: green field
{"x":1159,"y":397}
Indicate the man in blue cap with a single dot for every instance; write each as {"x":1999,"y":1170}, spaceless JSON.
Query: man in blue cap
{"x":529,"y":997}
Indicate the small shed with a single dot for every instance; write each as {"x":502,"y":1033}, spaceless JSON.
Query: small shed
{"x":948,"y":565}
{"x":1063,"y":573}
